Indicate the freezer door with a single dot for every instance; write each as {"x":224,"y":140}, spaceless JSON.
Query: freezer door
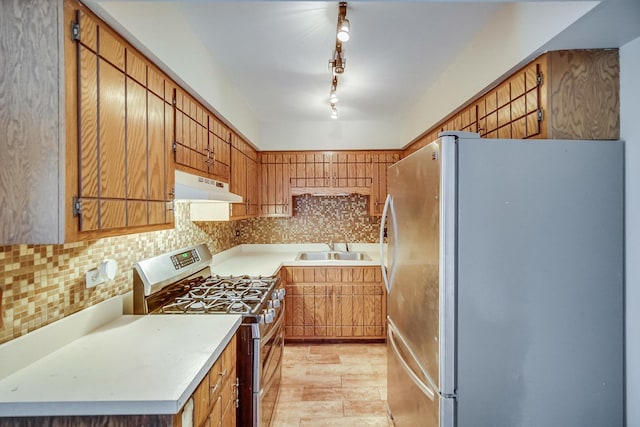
{"x":411,"y":395}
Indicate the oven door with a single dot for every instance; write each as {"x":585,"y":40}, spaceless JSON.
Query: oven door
{"x":269,"y":372}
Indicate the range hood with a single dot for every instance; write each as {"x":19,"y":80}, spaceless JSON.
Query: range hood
{"x":194,"y":188}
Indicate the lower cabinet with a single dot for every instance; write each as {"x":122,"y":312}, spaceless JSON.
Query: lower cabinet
{"x":213,"y":404}
{"x":335,"y":303}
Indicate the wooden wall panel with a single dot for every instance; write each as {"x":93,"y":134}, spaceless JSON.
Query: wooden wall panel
{"x":584,"y":94}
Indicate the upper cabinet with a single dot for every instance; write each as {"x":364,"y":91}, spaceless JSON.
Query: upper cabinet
{"x":125,"y":116}
{"x":275,"y":176}
{"x":570,"y":94}
{"x":202,"y":142}
{"x":88,"y":129}
{"x":330,"y":173}
{"x":94,"y":131}
{"x":244,"y":178}
{"x":287,"y":174}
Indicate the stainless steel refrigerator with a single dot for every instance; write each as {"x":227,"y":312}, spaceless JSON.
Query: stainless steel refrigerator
{"x":505,"y":284}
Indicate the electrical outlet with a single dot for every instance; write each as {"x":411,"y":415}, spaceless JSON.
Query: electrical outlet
{"x":237,"y":233}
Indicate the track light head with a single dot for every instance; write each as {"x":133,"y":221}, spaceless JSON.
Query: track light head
{"x":344,"y":30}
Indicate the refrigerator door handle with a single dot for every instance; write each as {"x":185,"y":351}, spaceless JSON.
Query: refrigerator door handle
{"x":428,"y":391}
{"x":388,"y":207}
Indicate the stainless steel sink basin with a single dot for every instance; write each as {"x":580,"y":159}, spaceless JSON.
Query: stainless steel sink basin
{"x":314,"y":256}
{"x":351,"y":256}
{"x":332,"y":255}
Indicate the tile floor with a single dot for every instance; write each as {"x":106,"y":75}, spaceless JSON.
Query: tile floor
{"x":333,"y":385}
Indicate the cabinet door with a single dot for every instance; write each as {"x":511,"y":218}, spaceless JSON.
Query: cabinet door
{"x":275,"y":199}
{"x":219,"y":150}
{"x":122,"y":139}
{"x":309,"y":311}
{"x":351,"y":171}
{"x":252,"y":191}
{"x":359,"y":311}
{"x":238,"y":183}
{"x":310,"y":170}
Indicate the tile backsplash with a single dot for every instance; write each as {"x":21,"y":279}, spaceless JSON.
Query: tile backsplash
{"x":316,"y":219}
{"x":40,"y":284}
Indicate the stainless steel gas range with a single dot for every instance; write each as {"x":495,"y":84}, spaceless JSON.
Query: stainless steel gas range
{"x":181,"y":282}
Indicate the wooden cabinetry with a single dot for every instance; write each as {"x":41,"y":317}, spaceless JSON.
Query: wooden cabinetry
{"x":244,"y":178}
{"x":286,"y":174}
{"x":125,"y":175}
{"x":202,"y":142}
{"x":335,"y":303}
{"x":380,"y":162}
{"x":213,"y":403}
{"x":275,"y":175}
{"x":572,"y":94}
{"x":88,"y":151}
{"x":330,"y":173}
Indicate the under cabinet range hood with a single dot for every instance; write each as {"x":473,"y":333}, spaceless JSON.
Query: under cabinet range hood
{"x":194,"y":188}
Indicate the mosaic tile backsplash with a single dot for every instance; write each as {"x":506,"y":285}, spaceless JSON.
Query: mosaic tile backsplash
{"x":316,"y":220}
{"x":40,"y":284}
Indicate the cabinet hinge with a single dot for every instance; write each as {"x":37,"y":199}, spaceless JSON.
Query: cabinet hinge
{"x":173,"y":101}
{"x":175,"y":147}
{"x":77,"y":206}
{"x":75,"y":31}
{"x":538,"y":79}
{"x":539,"y":115}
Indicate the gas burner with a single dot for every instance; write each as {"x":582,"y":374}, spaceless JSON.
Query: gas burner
{"x":197,"y":306}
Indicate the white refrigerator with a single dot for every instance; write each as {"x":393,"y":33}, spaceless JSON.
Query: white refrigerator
{"x":505,"y":284}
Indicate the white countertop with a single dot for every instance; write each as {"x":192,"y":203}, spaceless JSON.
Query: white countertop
{"x":266,"y":259}
{"x":147,"y":364}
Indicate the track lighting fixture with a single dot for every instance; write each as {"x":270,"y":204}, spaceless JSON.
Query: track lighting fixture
{"x":338,"y":62}
{"x":333,"y":95}
{"x":344,"y":26}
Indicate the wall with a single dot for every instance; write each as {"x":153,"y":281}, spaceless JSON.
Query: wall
{"x":630,"y":132}
{"x":316,"y":220}
{"x":40,"y":284}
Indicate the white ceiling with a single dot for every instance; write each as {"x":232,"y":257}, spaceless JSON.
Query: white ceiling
{"x":267,"y":73}
{"x":278,"y":52}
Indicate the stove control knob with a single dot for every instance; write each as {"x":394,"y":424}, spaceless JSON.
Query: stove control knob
{"x":260,"y":318}
{"x":268,"y":315}
{"x":281,"y":293}
{"x":274,"y":304}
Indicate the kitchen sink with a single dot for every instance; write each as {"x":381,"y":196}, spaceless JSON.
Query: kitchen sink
{"x":351,"y":256}
{"x":314,"y":256}
{"x":332,"y":255}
